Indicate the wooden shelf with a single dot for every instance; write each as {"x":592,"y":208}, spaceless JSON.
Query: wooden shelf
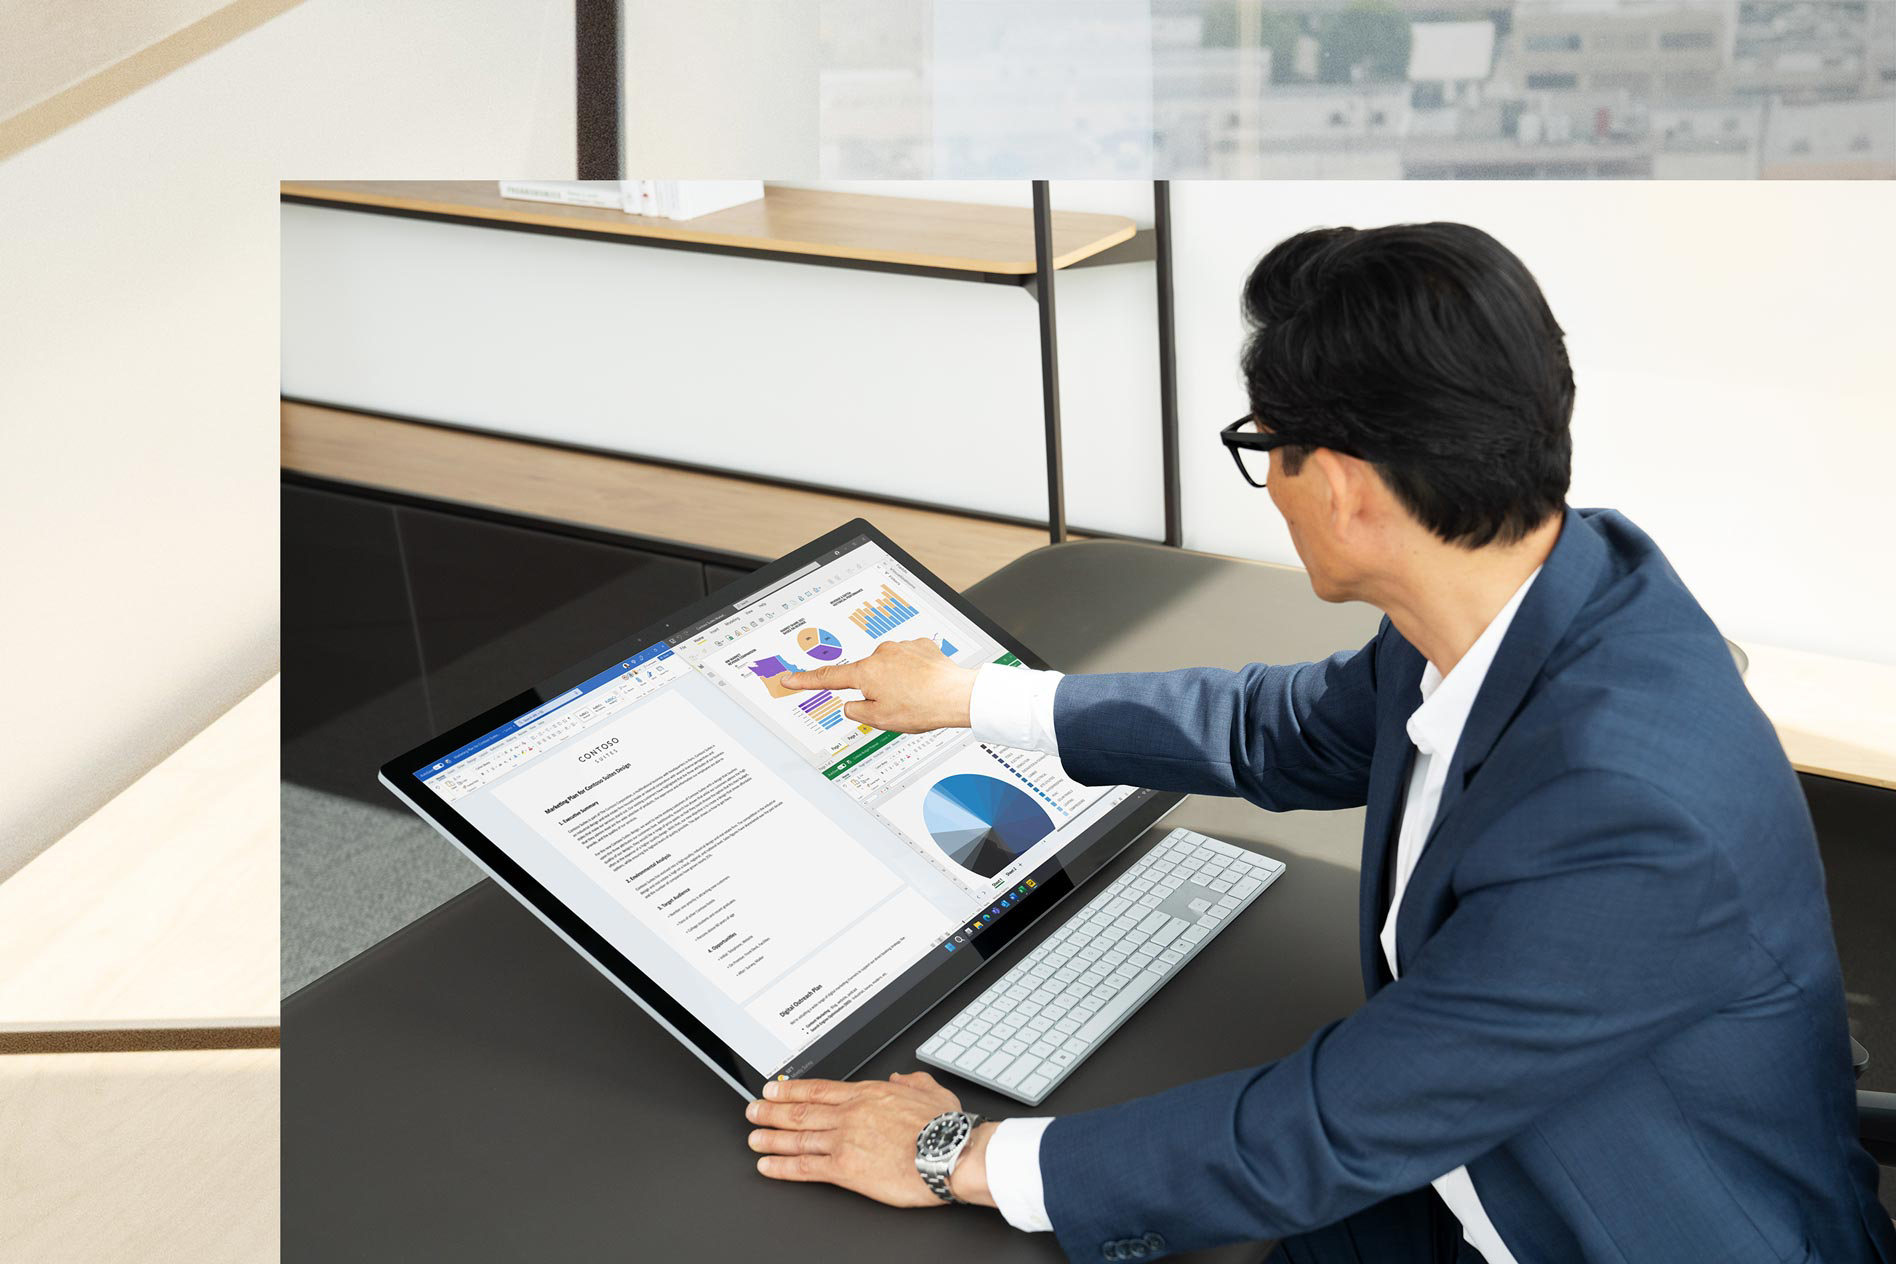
{"x":159,"y":911}
{"x":858,"y":227}
{"x":717,"y":512}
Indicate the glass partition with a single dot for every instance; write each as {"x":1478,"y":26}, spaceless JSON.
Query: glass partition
{"x":1359,"y":89}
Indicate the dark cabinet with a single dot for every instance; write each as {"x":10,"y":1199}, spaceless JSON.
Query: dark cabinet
{"x":352,"y":686}
{"x":501,"y":608}
{"x":400,"y":622}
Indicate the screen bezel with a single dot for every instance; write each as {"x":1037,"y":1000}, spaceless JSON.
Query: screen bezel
{"x":843,"y":1051}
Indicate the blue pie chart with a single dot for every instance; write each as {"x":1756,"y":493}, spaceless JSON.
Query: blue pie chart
{"x":983,"y":823}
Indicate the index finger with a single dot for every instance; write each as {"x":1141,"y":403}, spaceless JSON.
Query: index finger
{"x":809,"y":1090}
{"x":840,"y":676}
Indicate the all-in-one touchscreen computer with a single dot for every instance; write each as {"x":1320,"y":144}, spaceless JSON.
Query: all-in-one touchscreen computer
{"x":785,"y":889}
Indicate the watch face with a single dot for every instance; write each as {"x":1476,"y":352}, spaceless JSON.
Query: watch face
{"x":941,"y":1134}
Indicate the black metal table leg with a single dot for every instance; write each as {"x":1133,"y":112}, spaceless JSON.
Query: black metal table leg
{"x":596,"y":79}
{"x":1168,"y":364}
{"x":1049,"y":361}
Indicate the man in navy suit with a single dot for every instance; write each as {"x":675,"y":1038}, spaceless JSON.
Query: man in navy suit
{"x":1605,"y":1018}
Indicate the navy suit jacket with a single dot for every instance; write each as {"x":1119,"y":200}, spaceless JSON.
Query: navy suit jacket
{"x":1620,"y":1003}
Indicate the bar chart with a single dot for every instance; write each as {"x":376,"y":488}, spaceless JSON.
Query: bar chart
{"x":883,"y":615}
{"x":823,"y":708}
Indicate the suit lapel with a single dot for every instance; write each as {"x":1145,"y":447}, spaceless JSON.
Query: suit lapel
{"x":1570,"y":575}
{"x":1567,"y":578}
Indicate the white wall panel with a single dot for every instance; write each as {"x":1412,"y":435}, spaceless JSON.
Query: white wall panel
{"x":138,"y":310}
{"x":1731,"y":349}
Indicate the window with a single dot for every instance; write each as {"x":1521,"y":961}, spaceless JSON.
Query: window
{"x":1622,"y":81}
{"x":1691,"y":84}
{"x":1621,"y":42}
{"x":1551,"y":81}
{"x":1553,"y":43}
{"x":1677,"y":40}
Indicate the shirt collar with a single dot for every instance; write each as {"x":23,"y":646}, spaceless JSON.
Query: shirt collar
{"x":1436,"y":725}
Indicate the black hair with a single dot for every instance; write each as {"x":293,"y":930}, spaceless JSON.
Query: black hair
{"x":1427,"y":350}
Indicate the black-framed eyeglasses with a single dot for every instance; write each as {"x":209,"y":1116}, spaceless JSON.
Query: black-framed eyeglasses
{"x":1251,"y":449}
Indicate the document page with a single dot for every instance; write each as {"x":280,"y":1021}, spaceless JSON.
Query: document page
{"x":730,"y":866}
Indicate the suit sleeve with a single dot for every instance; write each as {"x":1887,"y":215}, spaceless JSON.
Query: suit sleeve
{"x":1605,"y":920}
{"x":1288,"y":737}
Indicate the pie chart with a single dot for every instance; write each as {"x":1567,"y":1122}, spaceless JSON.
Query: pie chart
{"x":983,"y":823}
{"x":819,"y":644}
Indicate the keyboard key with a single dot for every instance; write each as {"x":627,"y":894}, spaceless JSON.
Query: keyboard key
{"x":1114,"y":1009}
{"x":1015,"y":1045}
{"x":1194,"y":934}
{"x":1167,"y":933}
{"x":1040,"y":1051}
{"x":1034,"y":1085}
{"x":971,"y":1060}
{"x":1172,"y":955}
{"x":1015,"y":1074}
{"x":990,"y":1043}
{"x":1199,"y":906}
{"x":995,"y":1064}
{"x":1245,"y":887}
{"x":1063,"y":1058}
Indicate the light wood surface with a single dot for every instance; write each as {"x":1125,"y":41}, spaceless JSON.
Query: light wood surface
{"x":712,"y":511}
{"x":60,"y":63}
{"x":155,"y":1157}
{"x":961,"y":236}
{"x":161,"y":907}
{"x":1835,"y":716}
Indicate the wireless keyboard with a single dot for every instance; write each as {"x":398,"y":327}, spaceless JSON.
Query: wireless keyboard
{"x":1027,"y":1032}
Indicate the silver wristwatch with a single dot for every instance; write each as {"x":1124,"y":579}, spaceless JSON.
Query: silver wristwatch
{"x":938,"y":1147}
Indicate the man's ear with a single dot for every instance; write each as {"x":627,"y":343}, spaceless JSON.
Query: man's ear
{"x":1341,"y":480}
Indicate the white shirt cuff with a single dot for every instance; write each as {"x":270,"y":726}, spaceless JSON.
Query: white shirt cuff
{"x":1013,"y":1173}
{"x":1013,"y":706}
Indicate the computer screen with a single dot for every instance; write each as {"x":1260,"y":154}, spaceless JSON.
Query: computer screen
{"x":770,"y":863}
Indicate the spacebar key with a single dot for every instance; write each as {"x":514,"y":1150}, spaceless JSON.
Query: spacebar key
{"x":1127,"y":997}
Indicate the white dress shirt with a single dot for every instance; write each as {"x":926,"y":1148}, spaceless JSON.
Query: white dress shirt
{"x":1014,"y":706}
